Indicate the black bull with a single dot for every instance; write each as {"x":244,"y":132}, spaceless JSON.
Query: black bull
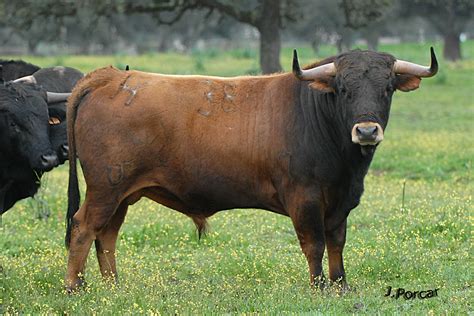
{"x":61,"y":80}
{"x":296,"y":144}
{"x":33,"y":125}
{"x":14,"y":69}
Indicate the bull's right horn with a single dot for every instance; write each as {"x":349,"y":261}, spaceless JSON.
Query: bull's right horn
{"x":313,"y":73}
{"x":29,"y":79}
{"x":54,"y":97}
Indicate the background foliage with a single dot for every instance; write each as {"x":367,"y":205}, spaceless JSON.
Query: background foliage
{"x":130,"y":26}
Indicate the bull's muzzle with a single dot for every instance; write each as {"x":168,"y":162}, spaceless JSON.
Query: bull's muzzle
{"x":48,"y":162}
{"x":367,"y":133}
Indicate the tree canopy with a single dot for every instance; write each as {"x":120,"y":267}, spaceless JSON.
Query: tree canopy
{"x":109,"y":25}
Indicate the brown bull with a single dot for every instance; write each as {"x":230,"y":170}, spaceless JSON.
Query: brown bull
{"x":296,"y":144}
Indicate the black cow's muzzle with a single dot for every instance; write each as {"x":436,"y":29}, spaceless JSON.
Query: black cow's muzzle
{"x":367,"y":133}
{"x":49,"y":161}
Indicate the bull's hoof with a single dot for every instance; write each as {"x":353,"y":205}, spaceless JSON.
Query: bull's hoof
{"x":341,"y":287}
{"x":75,"y":287}
{"x":111,"y":279}
{"x":319,"y":282}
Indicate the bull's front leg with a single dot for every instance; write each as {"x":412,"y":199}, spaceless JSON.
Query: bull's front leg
{"x":335,"y":241}
{"x":308,"y":221}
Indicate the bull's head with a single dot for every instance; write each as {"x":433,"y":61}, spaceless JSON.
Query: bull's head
{"x":363,"y":83}
{"x":24,"y":124}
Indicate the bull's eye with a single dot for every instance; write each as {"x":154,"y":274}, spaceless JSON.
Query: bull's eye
{"x":14,"y":127}
{"x":347,"y":94}
{"x":54,"y":120}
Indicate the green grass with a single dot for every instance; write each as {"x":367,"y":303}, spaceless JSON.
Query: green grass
{"x":251,"y":261}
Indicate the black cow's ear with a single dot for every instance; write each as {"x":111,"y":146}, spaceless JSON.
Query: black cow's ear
{"x":406,"y":82}
{"x":323,"y":84}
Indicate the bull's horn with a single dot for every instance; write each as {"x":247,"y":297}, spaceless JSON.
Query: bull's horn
{"x":405,"y":67}
{"x":29,"y":79}
{"x":313,"y":73}
{"x":53,"y":97}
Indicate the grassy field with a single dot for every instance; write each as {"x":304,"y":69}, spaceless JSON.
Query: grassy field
{"x":251,"y":261}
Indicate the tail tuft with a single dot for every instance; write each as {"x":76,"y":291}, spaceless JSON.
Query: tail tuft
{"x":201,"y":225}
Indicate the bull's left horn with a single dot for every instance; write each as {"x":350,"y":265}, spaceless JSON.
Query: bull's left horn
{"x":29,"y":79}
{"x":53,"y":97}
{"x":405,"y":67}
{"x":313,"y":73}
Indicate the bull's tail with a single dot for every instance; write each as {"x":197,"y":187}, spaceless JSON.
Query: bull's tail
{"x":73,"y":193}
{"x":91,"y":81}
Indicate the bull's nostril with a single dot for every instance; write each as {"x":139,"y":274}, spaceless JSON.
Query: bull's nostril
{"x":366,"y":131}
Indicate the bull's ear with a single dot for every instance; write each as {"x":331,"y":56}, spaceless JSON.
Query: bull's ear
{"x":323,"y":84}
{"x":406,"y":82}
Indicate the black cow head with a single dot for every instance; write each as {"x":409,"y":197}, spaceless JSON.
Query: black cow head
{"x":56,"y":79}
{"x":24,"y":126}
{"x":58,"y":130}
{"x":363,"y":83}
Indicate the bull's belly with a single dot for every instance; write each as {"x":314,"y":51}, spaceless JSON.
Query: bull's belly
{"x":202,"y":201}
{"x":192,"y":186}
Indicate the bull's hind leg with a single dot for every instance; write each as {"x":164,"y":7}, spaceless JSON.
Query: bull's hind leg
{"x":81,"y":240}
{"x":91,"y":218}
{"x":105,"y":243}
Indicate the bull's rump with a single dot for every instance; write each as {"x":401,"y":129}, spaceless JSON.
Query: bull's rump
{"x":191,"y":143}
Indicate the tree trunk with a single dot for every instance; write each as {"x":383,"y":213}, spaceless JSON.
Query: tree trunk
{"x":315,"y":43}
{"x":32,"y":46}
{"x":85,"y":47}
{"x":452,"y":47}
{"x":372,"y":39}
{"x":164,"y":40}
{"x":270,"y":41}
{"x":339,"y":44}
